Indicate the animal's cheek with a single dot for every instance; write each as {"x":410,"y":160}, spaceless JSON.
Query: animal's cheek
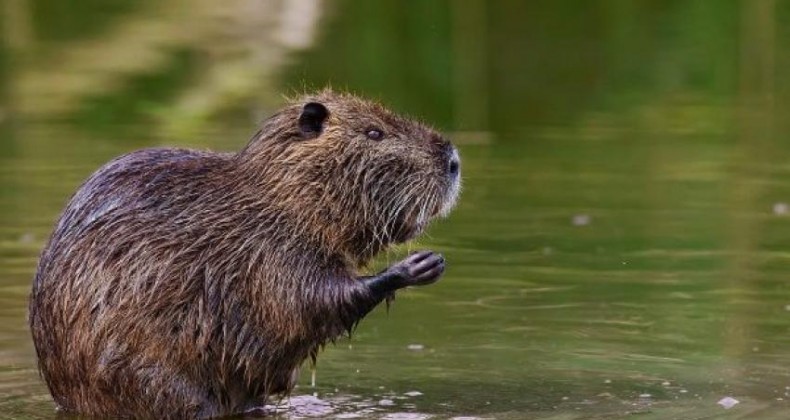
{"x":417,"y":159}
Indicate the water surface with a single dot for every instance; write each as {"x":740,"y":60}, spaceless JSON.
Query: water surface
{"x":622,"y":242}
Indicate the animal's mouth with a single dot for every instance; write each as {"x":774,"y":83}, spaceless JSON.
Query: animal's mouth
{"x":407,"y":231}
{"x":452,"y":192}
{"x":453,"y":182}
{"x":408,"y":228}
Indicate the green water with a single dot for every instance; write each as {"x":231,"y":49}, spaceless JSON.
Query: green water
{"x":622,"y":243}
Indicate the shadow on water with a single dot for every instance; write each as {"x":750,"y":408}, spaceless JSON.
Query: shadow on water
{"x":621,"y":246}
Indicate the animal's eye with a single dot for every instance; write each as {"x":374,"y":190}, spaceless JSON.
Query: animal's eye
{"x":374,"y":134}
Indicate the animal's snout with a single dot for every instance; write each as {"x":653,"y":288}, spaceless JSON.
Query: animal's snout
{"x":453,"y":161}
{"x":453,"y":171}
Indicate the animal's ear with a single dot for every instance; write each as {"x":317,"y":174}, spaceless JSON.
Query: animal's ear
{"x":311,"y":121}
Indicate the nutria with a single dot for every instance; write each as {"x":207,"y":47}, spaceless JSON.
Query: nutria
{"x":185,"y":283}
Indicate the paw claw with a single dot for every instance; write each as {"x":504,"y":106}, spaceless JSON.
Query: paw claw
{"x":420,"y":268}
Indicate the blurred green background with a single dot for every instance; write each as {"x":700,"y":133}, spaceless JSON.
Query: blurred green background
{"x":622,"y":244}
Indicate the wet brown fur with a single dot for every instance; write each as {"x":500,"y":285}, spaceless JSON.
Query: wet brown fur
{"x":180,"y":283}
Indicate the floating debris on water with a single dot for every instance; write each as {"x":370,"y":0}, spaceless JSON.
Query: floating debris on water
{"x":339,"y":407}
{"x":644,"y":400}
{"x":308,"y":405}
{"x":665,"y":383}
{"x":412,"y":393}
{"x":581,"y":219}
{"x":406,"y":416}
{"x":728,"y":402}
{"x":415,"y":347}
{"x":781,"y":208}
{"x":27,"y":238}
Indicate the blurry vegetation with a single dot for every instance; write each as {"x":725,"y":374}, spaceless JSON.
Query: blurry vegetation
{"x":546,"y":61}
{"x":58,"y":21}
{"x":541,"y":62}
{"x":398,"y":51}
{"x":142,"y":97}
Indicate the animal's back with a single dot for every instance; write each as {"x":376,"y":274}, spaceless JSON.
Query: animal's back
{"x":96,"y":273}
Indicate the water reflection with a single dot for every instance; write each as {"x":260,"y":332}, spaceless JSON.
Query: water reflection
{"x":621,"y":245}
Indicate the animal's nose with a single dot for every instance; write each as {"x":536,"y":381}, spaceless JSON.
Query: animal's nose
{"x":454,"y":162}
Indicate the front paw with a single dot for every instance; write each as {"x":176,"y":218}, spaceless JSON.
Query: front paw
{"x":420,"y":268}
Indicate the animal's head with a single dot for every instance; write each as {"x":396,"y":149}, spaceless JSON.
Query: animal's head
{"x":353,"y":173}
